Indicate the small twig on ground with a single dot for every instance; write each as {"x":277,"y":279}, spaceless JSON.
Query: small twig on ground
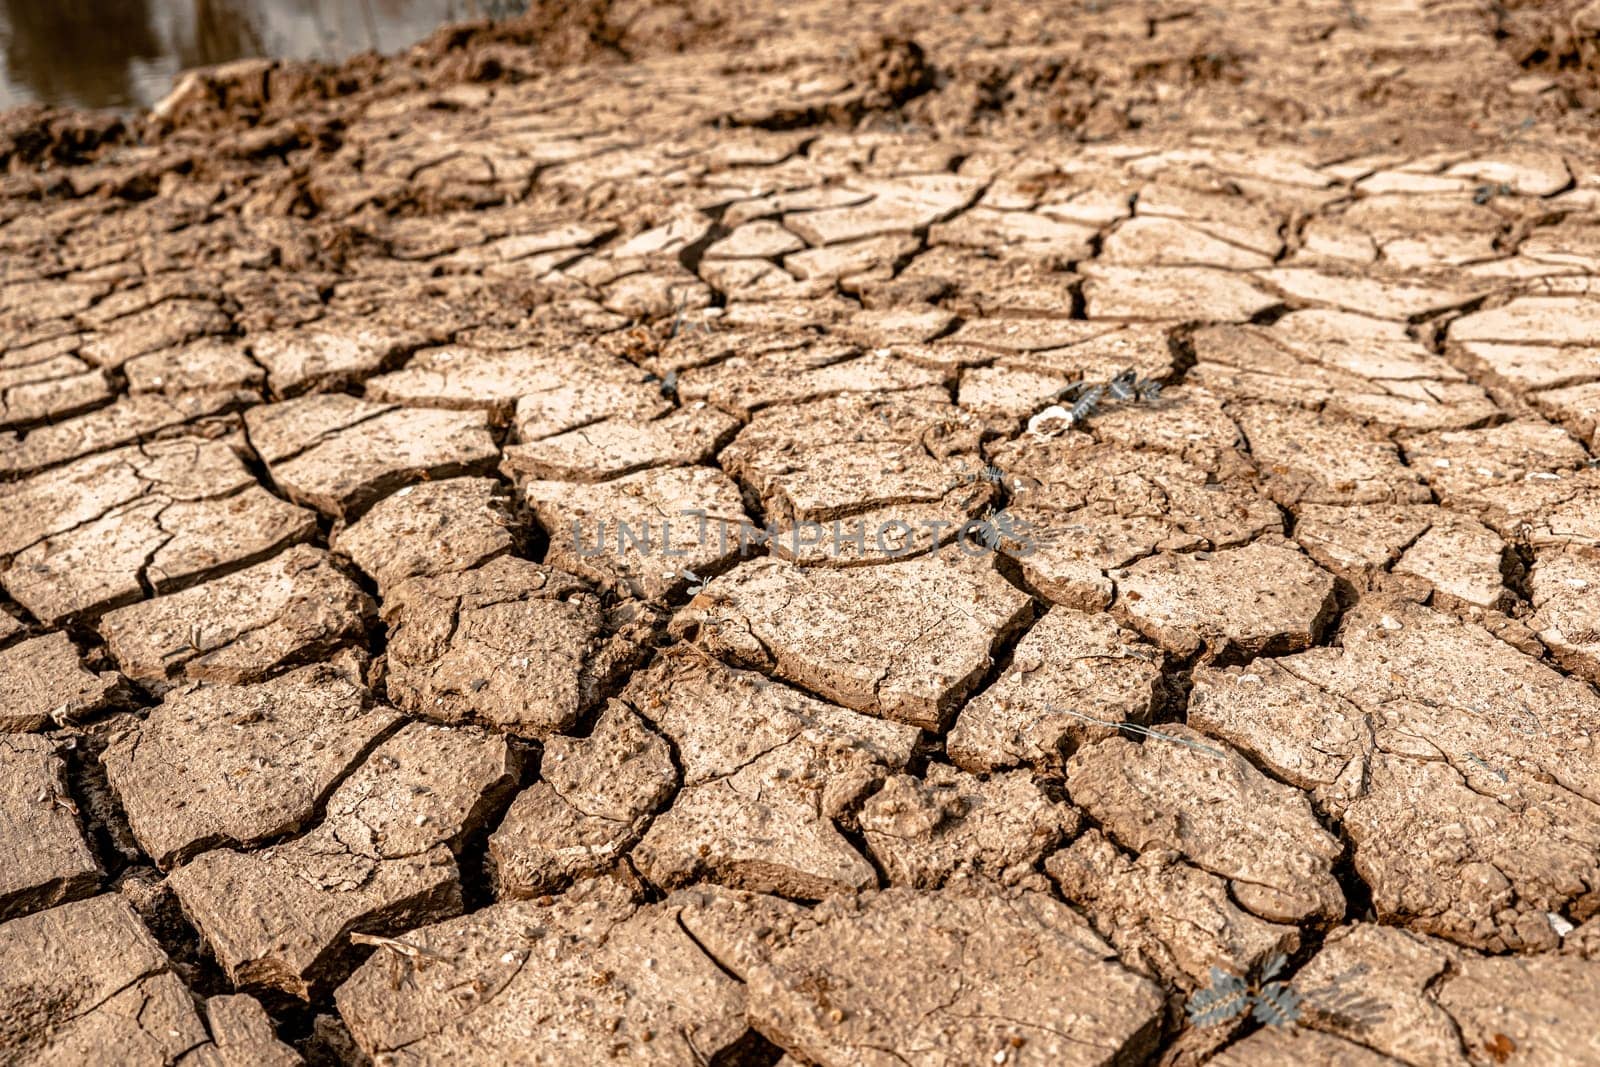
{"x":1133,"y":727}
{"x":694,"y":1050}
{"x":407,"y":959}
{"x":394,"y":944}
{"x":1496,"y":771}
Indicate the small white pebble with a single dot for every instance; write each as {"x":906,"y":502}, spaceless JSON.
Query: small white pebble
{"x":1559,"y":925}
{"x":1050,"y":422}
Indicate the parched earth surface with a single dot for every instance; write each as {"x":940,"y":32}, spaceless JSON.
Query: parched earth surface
{"x":875,"y":533}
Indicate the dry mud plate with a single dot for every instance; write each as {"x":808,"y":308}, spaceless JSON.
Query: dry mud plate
{"x":818,"y":535}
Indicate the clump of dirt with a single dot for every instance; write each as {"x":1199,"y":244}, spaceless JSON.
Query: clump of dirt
{"x":1041,"y":91}
{"x":551,"y":34}
{"x":895,"y":68}
{"x":561,"y":33}
{"x":1561,"y":37}
{"x":258,"y":92}
{"x":38,"y":136}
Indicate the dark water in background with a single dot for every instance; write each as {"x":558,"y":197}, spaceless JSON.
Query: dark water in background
{"x":124,"y":53}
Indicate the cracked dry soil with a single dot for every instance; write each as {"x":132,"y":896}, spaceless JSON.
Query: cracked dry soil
{"x":339,"y":729}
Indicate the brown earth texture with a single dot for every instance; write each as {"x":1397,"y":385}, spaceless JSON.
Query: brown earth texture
{"x":898,"y":533}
